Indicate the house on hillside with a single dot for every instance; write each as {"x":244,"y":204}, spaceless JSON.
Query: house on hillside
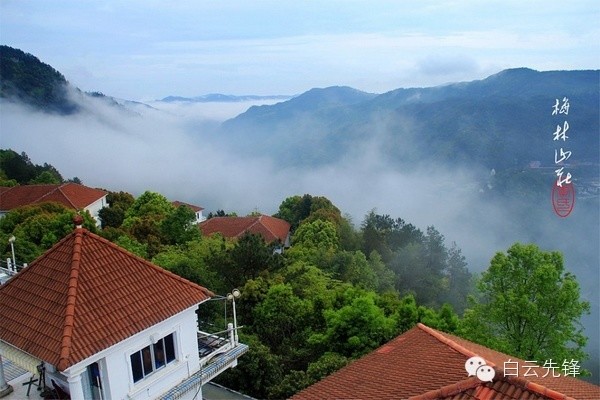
{"x":71,"y":195}
{"x":270,"y":228}
{"x":98,"y":322}
{"x":426,"y":364}
{"x":196,"y":209}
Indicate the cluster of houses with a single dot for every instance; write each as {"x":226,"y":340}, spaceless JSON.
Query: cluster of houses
{"x":83,"y":198}
{"x":89,"y":320}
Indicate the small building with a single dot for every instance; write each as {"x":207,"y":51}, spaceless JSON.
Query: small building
{"x":196,"y":209}
{"x":71,"y":195}
{"x":270,"y":228}
{"x":426,"y":364}
{"x":99,"y":322}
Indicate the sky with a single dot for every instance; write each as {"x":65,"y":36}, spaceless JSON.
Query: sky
{"x":149,"y":49}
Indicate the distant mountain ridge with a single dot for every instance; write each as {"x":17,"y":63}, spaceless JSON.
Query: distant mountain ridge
{"x":223,"y":98}
{"x":27,"y":80}
{"x":503,"y":121}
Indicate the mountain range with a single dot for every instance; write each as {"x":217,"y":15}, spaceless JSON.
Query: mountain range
{"x":503,"y":122}
{"x":500,"y":129}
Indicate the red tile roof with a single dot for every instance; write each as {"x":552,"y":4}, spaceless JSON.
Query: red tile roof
{"x":427,"y":364}
{"x":502,"y":387}
{"x":86,"y":294}
{"x":181,"y":203}
{"x":71,"y":195}
{"x":270,"y":228}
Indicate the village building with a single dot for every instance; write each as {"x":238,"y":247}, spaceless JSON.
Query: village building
{"x":196,"y":209}
{"x":71,"y":195}
{"x":273,"y":230}
{"x":95,"y":321}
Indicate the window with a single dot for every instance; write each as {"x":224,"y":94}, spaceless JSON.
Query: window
{"x":153,"y":357}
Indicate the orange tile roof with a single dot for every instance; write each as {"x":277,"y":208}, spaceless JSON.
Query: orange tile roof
{"x":502,"y":387}
{"x":194,"y":208}
{"x":428,"y":364}
{"x":270,"y":228}
{"x":70,"y":194}
{"x":86,"y":294}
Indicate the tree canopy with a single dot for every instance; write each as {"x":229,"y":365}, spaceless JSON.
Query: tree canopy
{"x":528,"y":306}
{"x":339,"y":292}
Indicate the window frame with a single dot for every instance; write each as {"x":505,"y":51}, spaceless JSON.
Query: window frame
{"x":145,"y":362}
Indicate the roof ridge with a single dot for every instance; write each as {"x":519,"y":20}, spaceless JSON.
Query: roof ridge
{"x":449,"y":390}
{"x":148,"y":263}
{"x":256,"y":221}
{"x":59,"y":189}
{"x":451,"y":343}
{"x":533,"y":387}
{"x":49,"y":192}
{"x":69,"y":320}
{"x":553,"y":394}
{"x":267,"y":227}
{"x":66,"y":197}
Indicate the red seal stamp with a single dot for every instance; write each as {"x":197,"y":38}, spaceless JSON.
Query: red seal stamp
{"x":563,"y":198}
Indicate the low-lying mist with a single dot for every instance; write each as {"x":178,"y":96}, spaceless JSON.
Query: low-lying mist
{"x":174,"y":149}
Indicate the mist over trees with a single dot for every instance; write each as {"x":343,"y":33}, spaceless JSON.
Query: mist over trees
{"x":17,"y":169}
{"x":396,"y":273}
{"x":528,"y":306}
{"x":339,"y":292}
{"x":25,"y":77}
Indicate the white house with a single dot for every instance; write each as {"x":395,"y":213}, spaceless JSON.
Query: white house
{"x":196,"y":209}
{"x":99,"y":322}
{"x":71,"y":195}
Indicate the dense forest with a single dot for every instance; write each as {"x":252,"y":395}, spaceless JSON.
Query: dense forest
{"x":17,"y":169}
{"x":26,"y":78}
{"x":337,"y":293}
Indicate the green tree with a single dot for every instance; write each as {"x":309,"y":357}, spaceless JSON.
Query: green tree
{"x":19,"y":168}
{"x":459,"y":280}
{"x":119,"y":203}
{"x":257,"y":371}
{"x":529,"y":306}
{"x":189,"y":261}
{"x":280,"y":320}
{"x":46,"y":177}
{"x":295,"y":381}
{"x":246,"y":259}
{"x":355,"y":329}
{"x":386,"y":235}
{"x":179,"y":226}
{"x":317,"y":235}
{"x":37,"y":228}
{"x":297,"y":209}
{"x":143,"y":220}
{"x":150,"y":204}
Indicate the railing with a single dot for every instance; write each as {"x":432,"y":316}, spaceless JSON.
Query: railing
{"x":210,"y":342}
{"x":218,"y":351}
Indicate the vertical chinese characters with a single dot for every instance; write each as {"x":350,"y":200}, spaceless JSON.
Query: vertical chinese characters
{"x":562,"y":155}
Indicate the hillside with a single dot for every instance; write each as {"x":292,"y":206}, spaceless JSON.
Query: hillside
{"x":503,"y":121}
{"x":26,"y":79}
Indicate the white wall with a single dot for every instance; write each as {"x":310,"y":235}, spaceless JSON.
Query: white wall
{"x":115,"y":362}
{"x":95,"y":207}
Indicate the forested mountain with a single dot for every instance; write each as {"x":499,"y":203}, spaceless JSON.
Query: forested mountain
{"x":17,"y":169}
{"x":26,"y":78}
{"x":503,"y":121}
